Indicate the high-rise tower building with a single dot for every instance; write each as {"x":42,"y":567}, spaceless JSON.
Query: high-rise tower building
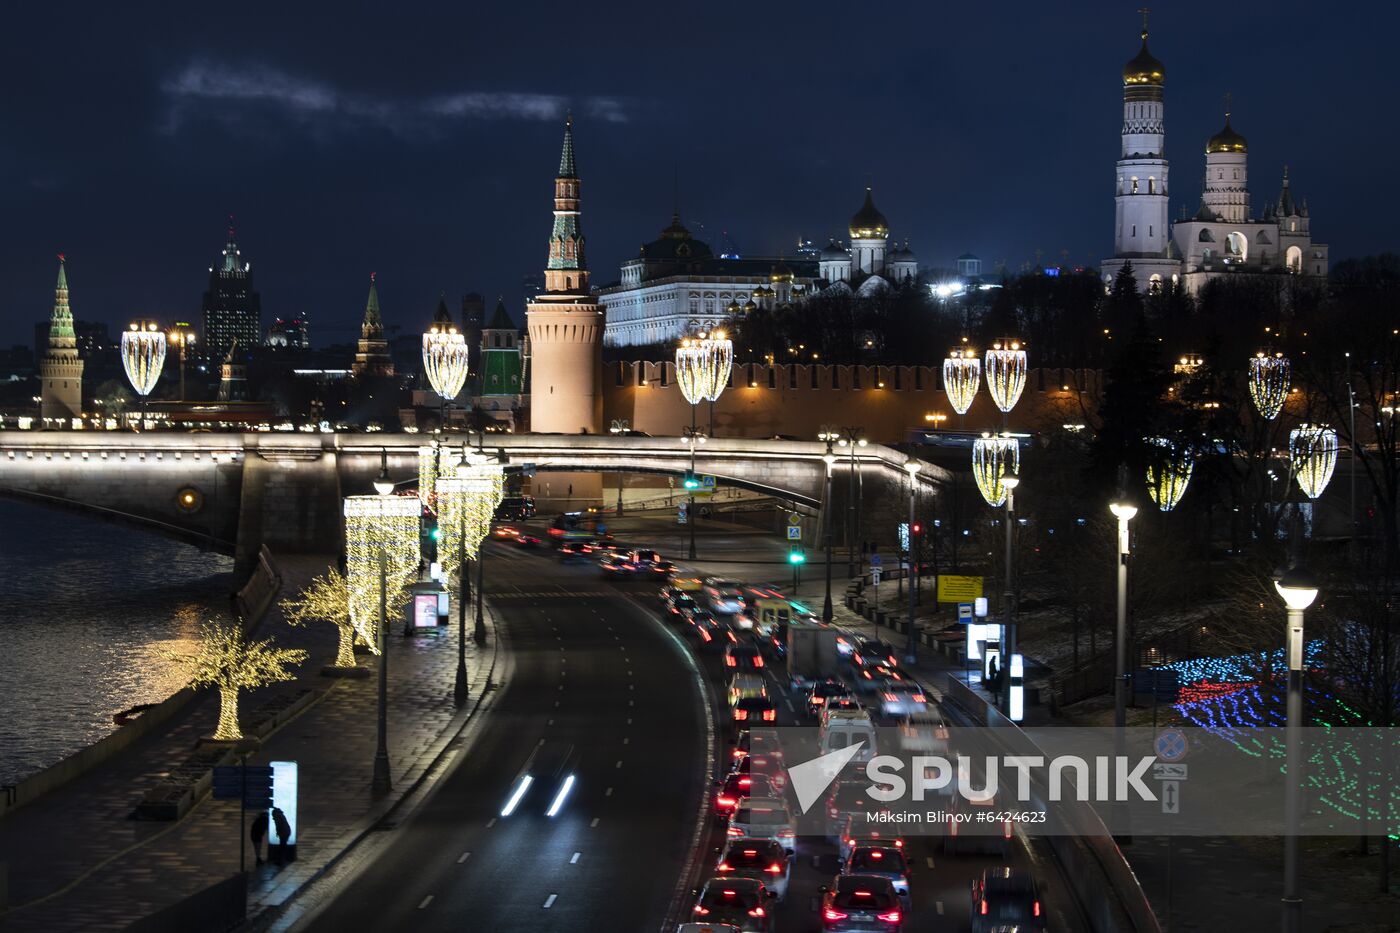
{"x":565,"y":322}
{"x":231,"y":307}
{"x":372,"y":355}
{"x":1142,"y":234}
{"x":61,"y":370}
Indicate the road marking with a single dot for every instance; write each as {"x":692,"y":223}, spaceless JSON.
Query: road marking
{"x":629,"y":703}
{"x":626,"y":740}
{"x":594,"y":823}
{"x":574,"y":860}
{"x":789,"y":704}
{"x":463,"y":857}
{"x":491,"y":822}
{"x":938,"y":905}
{"x":629,"y":720}
{"x":608,"y":792}
{"x":549,"y":901}
{"x":619,"y":763}
{"x":426,"y":901}
{"x":556,"y":702}
{"x":930,"y":861}
{"x":550,"y":723}
{"x":561,"y":686}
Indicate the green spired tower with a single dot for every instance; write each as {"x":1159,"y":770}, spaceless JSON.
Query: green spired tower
{"x":61,"y":370}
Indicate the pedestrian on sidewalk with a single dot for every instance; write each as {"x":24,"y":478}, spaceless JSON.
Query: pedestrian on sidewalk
{"x":256,"y":833}
{"x":284,"y":834}
{"x":994,"y":676}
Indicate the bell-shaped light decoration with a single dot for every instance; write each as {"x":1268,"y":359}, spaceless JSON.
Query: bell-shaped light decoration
{"x":143,"y":355}
{"x":1313,"y":450}
{"x":962,"y":377}
{"x":1168,"y":472}
{"x":1006,"y":373}
{"x":720,"y":352}
{"x":445,"y":360}
{"x":703,"y":365}
{"x":993,"y":457}
{"x":1270,"y":375}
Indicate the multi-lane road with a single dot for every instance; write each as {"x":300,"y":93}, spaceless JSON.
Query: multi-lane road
{"x":598,"y":673}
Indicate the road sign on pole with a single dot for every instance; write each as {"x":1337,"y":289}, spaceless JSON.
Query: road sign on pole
{"x":876,"y":560}
{"x":794,"y":518}
{"x":794,"y":533}
{"x":1171,"y":745}
{"x":875,"y":576}
{"x":250,"y":783}
{"x":964,"y":613}
{"x":1171,"y":796}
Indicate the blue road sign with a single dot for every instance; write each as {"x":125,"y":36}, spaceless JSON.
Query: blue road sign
{"x":1171,"y":745}
{"x":794,"y":533}
{"x":876,"y":560}
{"x":964,"y":612}
{"x":250,"y":783}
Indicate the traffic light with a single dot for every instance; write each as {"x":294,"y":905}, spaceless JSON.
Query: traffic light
{"x":797,"y":556}
{"x":918,"y":529}
{"x":437,"y":533}
{"x":691,"y":481}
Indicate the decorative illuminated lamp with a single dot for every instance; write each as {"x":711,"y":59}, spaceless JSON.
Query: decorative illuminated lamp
{"x":467,"y":501}
{"x":1006,"y":373}
{"x":1270,"y":376}
{"x":719,"y":353}
{"x":143,"y":358}
{"x":1169,"y":473}
{"x":993,"y":457}
{"x":1312,"y":448}
{"x":962,"y":377}
{"x":445,"y":359}
{"x":703,"y":365}
{"x":373,"y":523}
{"x":690,"y":370}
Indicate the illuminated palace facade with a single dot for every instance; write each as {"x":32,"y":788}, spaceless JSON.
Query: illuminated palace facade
{"x":1223,"y":237}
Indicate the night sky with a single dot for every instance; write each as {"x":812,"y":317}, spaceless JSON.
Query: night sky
{"x":421,"y":142}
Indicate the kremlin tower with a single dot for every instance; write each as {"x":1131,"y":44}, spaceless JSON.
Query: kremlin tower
{"x":61,"y":371}
{"x":372,"y":355}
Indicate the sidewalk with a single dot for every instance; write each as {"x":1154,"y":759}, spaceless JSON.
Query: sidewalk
{"x":78,"y":862}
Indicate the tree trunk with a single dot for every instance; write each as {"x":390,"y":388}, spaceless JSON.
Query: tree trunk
{"x":228,"y":715}
{"x":345,"y":651}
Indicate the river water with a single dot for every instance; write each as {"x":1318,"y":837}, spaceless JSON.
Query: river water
{"x":86,"y":609}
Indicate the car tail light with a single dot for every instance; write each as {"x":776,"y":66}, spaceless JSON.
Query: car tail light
{"x":983,"y":910}
{"x":891,"y":917}
{"x":877,"y":854}
{"x":777,"y":869}
{"x":818,"y":701}
{"x":832,"y":916}
{"x":919,"y":698}
{"x":770,"y":715}
{"x":705,"y":635}
{"x":758,"y":912}
{"x":833,"y":812}
{"x":889,"y":697}
{"x":741,"y":714}
{"x":745,"y":782}
{"x":725,"y":801}
{"x":724,"y":866}
{"x":758,"y":660}
{"x":893,"y":662}
{"x":701,"y":909}
{"x":899,"y":843}
{"x":675,"y":611}
{"x":866,"y":675}
{"x":729,"y":661}
{"x":728,"y":893}
{"x":1035,"y":908}
{"x":734,"y":831}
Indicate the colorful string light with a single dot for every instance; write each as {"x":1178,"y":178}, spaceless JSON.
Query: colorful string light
{"x":1312,"y":448}
{"x":992,"y":457}
{"x":962,"y":377}
{"x":1270,"y":377}
{"x":1006,"y":373}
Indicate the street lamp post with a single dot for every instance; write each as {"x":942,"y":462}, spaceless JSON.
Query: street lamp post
{"x":380,"y":783}
{"x":1123,"y":511}
{"x":182,"y":335}
{"x":829,"y":459}
{"x":1298,"y":589}
{"x":692,"y":436}
{"x":620,"y":427}
{"x":850,"y":439}
{"x":1008,"y":596}
{"x":911,"y":648}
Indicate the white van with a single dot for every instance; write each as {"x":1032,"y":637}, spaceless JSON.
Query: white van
{"x":842,"y":728}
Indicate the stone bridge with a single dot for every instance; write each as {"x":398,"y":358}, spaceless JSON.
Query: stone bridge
{"x":236,"y":492}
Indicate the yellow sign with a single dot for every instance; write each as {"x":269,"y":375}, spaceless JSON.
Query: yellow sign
{"x":953,"y":589}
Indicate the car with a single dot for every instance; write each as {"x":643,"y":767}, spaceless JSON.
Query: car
{"x":515,"y":508}
{"x":761,"y":859}
{"x":725,"y":596}
{"x":682,"y":604}
{"x":882,"y":651}
{"x":820,"y":693}
{"x":989,"y":838}
{"x":870,"y":675}
{"x":746,"y":684}
{"x":615,"y":565}
{"x":861,"y":831}
{"x":757,"y":742}
{"x":549,"y":768}
{"x":706,"y":628}
{"x":763,"y":818}
{"x":842,"y":728}
{"x":757,"y":709}
{"x":505,"y":532}
{"x":643,"y":557}
{"x":661,"y":567}
{"x":575,"y":550}
{"x":743,"y":655}
{"x":525,"y":539}
{"x":886,"y":861}
{"x":742,"y":902}
{"x":734,"y":788}
{"x":707,"y":928}
{"x":764,"y":760}
{"x":900,"y":698}
{"x":846,"y":798}
{"x":861,"y":903}
{"x":1006,"y":898}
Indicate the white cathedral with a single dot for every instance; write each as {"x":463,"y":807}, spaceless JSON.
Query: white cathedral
{"x":1223,"y":237}
{"x":676,"y":286}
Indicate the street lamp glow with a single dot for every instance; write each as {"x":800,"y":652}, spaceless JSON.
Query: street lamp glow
{"x":1011,"y":482}
{"x":1123,"y":511}
{"x":912,"y":466}
{"x":382,"y":483}
{"x":1297,"y":588}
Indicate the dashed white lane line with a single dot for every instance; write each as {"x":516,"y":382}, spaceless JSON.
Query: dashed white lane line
{"x":549,"y":901}
{"x":629,"y":703}
{"x":608,"y":792}
{"x":930,"y":861}
{"x":594,"y":823}
{"x":574,"y":860}
{"x":550,"y":723}
{"x":938,"y":906}
{"x":629,"y":721}
{"x":491,"y":822}
{"x":626,"y":740}
{"x":426,"y":901}
{"x":619,"y":763}
{"x":556,"y":702}
{"x":463,"y":857}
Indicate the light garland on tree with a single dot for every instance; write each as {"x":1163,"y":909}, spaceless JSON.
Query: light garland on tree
{"x":1169,"y":473}
{"x":372,"y":523}
{"x":445,"y":360}
{"x":143,"y":355}
{"x":1006,"y":373}
{"x":703,"y":365}
{"x":1269,"y":379}
{"x":429,"y":459}
{"x":467,"y":504}
{"x":1313,"y":450}
{"x":962,"y":377}
{"x":326,"y":599}
{"x":229,"y":662}
{"x":993,"y":456}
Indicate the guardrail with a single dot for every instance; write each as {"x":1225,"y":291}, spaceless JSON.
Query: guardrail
{"x":1104,"y":883}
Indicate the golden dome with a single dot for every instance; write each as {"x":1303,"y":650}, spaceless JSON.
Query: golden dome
{"x":1227,"y":140}
{"x":868,"y":223}
{"x":1144,"y":69}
